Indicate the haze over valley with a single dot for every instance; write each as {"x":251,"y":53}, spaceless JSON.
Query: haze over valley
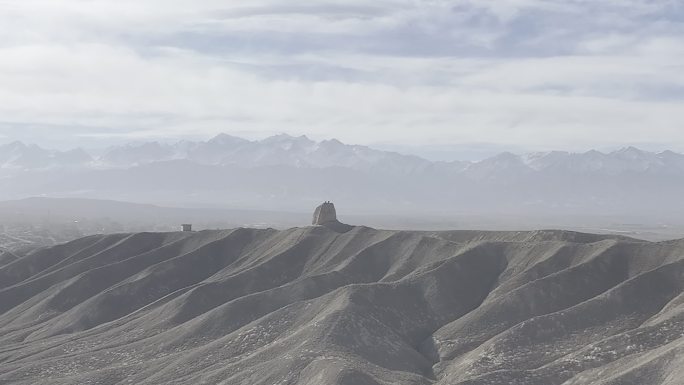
{"x":291,"y":174}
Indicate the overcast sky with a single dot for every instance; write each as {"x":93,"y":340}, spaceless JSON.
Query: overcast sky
{"x":533,"y":74}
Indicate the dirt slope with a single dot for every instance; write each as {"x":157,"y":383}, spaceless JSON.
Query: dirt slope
{"x":316,"y":305}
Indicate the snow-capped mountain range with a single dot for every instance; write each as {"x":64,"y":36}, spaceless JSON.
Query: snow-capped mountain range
{"x":279,"y":150}
{"x":19,"y":156}
{"x":295,"y":173}
{"x":302,"y":152}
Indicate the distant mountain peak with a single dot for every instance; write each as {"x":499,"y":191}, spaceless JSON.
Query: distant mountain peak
{"x":333,"y":141}
{"x":224,"y":138}
{"x":507,"y":154}
{"x":15,"y":144}
{"x":631,"y":150}
{"x":505,"y":157}
{"x":287,"y":138}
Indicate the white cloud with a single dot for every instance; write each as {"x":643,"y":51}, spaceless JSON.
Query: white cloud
{"x":541,"y":73}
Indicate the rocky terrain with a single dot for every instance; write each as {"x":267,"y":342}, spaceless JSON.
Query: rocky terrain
{"x":317,"y":305}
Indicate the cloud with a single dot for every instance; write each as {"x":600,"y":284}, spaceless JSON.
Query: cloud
{"x":540,"y":73}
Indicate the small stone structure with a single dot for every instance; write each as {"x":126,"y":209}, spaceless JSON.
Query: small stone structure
{"x":324,"y":213}
{"x":186,"y":227}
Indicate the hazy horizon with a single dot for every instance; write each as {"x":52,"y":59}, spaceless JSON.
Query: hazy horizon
{"x":473,"y":152}
{"x":287,"y":173}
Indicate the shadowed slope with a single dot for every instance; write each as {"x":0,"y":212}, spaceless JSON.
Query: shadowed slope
{"x":361,"y":307}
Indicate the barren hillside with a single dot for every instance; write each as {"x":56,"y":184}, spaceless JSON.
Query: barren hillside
{"x":313,"y":306}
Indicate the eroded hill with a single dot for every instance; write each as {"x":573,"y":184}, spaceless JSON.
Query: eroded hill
{"x":313,"y":306}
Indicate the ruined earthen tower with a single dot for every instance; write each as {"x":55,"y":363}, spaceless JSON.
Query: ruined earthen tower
{"x":324,"y":213}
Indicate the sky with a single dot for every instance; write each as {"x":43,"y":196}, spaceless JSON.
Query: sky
{"x":401,"y":74}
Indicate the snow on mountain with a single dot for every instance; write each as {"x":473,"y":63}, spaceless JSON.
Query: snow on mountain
{"x":626,"y":160}
{"x":19,"y":156}
{"x":136,"y":154}
{"x":216,"y":150}
{"x":672,"y":160}
{"x":302,"y":152}
{"x":279,"y":150}
{"x":298,"y":170}
{"x":505,"y":165}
